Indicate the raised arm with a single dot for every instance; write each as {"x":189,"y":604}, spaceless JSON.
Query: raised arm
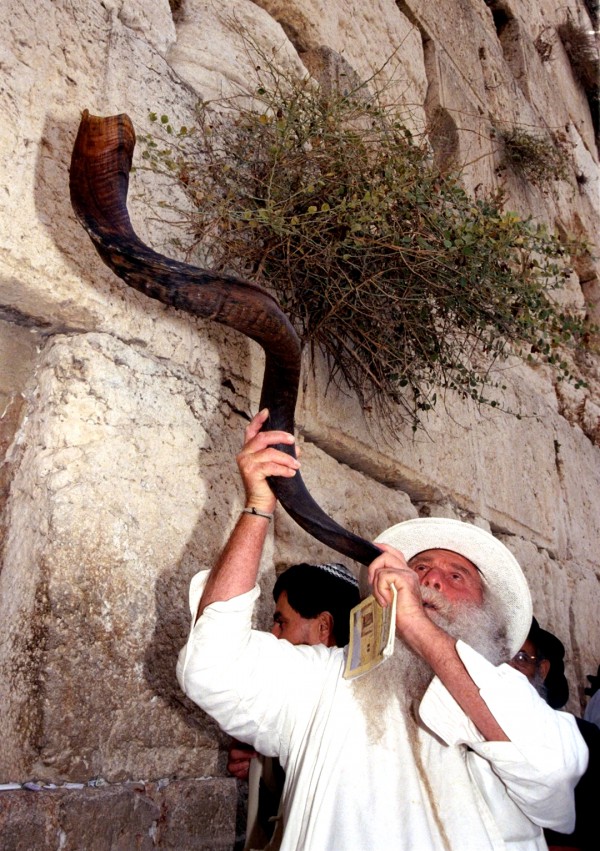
{"x":429,"y":640}
{"x":236,"y":570}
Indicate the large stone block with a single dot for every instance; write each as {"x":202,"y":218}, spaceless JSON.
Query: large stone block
{"x":376,"y":39}
{"x":191,"y":815}
{"x":585,"y":635}
{"x":458,"y":455}
{"x":534,"y":477}
{"x":220,"y":48}
{"x":201,"y":814}
{"x":94,"y":595}
{"x":63,"y":60}
{"x":565,"y":602}
{"x":17,"y":356}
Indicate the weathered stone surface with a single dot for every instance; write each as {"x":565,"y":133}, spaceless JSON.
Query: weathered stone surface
{"x":457,"y":456}
{"x":565,"y":602}
{"x":152,"y":22}
{"x":200,"y":814}
{"x":220,"y":45}
{"x":94,"y":601}
{"x":583,"y":622}
{"x":552,"y":591}
{"x":191,"y":814}
{"x":17,"y":356}
{"x":376,"y":39}
{"x":61,"y":61}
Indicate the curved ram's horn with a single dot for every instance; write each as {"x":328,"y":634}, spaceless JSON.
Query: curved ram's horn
{"x":99,"y":181}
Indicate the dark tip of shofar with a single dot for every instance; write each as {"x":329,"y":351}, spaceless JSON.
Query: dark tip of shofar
{"x":99,"y":181}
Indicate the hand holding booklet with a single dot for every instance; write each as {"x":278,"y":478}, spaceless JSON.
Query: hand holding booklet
{"x":372,"y":633}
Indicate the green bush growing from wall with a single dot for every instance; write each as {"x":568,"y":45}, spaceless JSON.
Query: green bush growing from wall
{"x":408,"y":285}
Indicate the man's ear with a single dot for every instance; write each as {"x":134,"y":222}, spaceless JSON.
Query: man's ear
{"x":326,"y":635}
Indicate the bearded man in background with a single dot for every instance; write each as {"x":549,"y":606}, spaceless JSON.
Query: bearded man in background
{"x":442,"y":748}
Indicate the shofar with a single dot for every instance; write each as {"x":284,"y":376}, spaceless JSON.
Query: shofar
{"x":99,"y":180}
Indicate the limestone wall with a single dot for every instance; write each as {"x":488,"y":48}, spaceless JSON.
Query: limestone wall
{"x":120,"y":418}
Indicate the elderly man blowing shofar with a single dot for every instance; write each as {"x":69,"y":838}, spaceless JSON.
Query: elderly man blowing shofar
{"x":441,"y":746}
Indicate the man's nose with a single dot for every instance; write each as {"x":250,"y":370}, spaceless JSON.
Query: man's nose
{"x":432,"y":578}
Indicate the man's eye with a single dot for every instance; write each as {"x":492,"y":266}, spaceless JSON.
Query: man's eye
{"x":456,"y":576}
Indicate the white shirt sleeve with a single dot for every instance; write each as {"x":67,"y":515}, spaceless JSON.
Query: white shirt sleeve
{"x":254,"y":685}
{"x":546,"y":755}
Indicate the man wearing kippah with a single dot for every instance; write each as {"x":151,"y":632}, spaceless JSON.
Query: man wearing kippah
{"x":443,"y":746}
{"x":312,"y":606}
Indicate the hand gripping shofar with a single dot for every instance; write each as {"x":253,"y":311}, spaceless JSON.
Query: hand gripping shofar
{"x":99,"y":181}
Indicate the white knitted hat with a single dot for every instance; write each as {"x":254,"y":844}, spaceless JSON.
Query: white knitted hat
{"x":503,"y":579}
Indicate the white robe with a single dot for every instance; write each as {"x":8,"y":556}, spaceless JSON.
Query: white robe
{"x":437,"y":786}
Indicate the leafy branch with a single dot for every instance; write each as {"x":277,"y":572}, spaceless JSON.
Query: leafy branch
{"x":408,"y":285}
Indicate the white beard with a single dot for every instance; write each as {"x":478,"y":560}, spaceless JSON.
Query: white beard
{"x":402,"y":680}
{"x":477,"y":626}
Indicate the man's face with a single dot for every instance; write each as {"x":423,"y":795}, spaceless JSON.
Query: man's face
{"x":453,"y":597}
{"x":450,"y":574}
{"x":527,"y":661}
{"x":288,"y":624}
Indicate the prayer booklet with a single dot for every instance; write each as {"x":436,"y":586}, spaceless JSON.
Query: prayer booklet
{"x":372,"y":634}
